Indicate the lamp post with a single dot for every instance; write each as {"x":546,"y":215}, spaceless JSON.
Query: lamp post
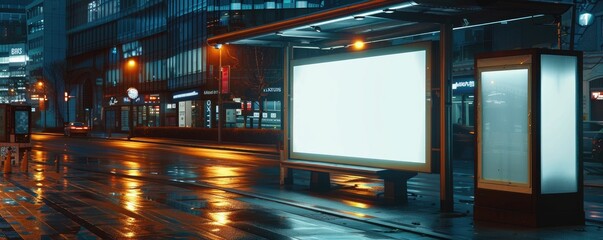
{"x":132,"y":67}
{"x":42,"y":101}
{"x":219,"y":47}
{"x":132,"y":95}
{"x":67,"y":103}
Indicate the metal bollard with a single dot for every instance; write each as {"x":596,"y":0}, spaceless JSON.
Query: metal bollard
{"x":24,"y":163}
{"x":57,"y":163}
{"x":7,"y":162}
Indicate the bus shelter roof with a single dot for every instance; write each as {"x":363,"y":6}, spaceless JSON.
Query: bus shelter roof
{"x":385,"y":20}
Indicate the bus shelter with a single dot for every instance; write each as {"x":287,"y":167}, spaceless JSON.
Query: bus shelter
{"x":390,"y":67}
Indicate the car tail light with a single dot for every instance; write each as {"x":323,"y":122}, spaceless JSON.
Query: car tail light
{"x":85,"y":127}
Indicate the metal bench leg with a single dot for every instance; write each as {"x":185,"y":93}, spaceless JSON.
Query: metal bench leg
{"x":320,"y":181}
{"x":286,"y":176}
{"x":396,"y":188}
{"x":395,"y":191}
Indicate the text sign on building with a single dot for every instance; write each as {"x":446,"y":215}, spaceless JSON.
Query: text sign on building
{"x":186,"y":95}
{"x":272,"y":90}
{"x":225,"y":80}
{"x":596,"y":95}
{"x":463,"y":85}
{"x":207,"y":111}
{"x":16,"y":51}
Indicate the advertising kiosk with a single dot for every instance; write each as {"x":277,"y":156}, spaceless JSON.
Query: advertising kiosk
{"x":529,"y":166}
{"x":15,"y":130}
{"x":365,"y":123}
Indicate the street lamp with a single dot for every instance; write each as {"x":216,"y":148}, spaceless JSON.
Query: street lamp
{"x":359,"y":44}
{"x":42,"y":100}
{"x":131,"y":64}
{"x":219,"y":47}
{"x":585,"y":19}
{"x":132,"y":67}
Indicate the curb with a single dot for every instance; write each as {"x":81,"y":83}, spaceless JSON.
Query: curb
{"x":171,"y":142}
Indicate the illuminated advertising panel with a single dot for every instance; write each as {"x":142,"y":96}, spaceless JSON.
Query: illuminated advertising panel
{"x":558,"y":134}
{"x":368,"y":108}
{"x":504,"y":159}
{"x":21,"y":122}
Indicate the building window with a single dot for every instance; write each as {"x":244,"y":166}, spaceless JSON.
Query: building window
{"x":36,"y":26}
{"x":99,"y":9}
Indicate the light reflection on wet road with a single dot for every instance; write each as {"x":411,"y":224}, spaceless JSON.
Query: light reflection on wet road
{"x":119,"y":189}
{"x":93,"y":202}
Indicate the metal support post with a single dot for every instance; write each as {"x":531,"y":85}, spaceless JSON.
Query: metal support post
{"x":24,"y":163}
{"x":7,"y":162}
{"x":131,"y":119}
{"x":286,"y":175}
{"x":573,"y":27}
{"x":57,"y":163}
{"x":220,"y":110}
{"x":446,"y":194}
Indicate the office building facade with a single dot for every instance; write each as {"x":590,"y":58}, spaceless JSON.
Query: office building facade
{"x":158,"y":47}
{"x":13,"y":52}
{"x":46,"y":50}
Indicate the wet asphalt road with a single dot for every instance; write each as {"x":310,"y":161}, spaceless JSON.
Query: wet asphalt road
{"x":98,"y":189}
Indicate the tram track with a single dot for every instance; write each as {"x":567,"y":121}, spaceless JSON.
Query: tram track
{"x":155,"y":178}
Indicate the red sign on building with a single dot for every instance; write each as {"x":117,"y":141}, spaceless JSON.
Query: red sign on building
{"x":225,"y":81}
{"x":596,"y":95}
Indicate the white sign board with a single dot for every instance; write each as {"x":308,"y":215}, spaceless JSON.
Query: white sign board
{"x":365,"y":108}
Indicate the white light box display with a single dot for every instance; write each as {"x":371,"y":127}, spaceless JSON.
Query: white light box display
{"x":559,"y":139}
{"x":367,"y":108}
{"x":529,"y":165}
{"x":504,"y":131}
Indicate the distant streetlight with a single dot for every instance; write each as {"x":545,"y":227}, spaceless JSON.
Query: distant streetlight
{"x":42,"y":100}
{"x":132,"y":64}
{"x":359,"y":44}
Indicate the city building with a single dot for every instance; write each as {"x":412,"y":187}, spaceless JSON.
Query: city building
{"x":13,"y":52}
{"x":177,"y":74}
{"x":46,"y":50}
{"x":158,"y":47}
{"x":13,"y":77}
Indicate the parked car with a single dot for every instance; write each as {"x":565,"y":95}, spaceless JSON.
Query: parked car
{"x":463,"y":141}
{"x":590,"y":131}
{"x":597,"y":149}
{"x":76,"y":128}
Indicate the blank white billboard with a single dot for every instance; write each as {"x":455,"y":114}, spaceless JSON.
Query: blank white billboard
{"x":369,"y":108}
{"x":558,"y":131}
